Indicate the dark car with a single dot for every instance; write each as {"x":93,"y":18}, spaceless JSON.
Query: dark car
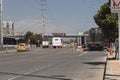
{"x":95,"y":46}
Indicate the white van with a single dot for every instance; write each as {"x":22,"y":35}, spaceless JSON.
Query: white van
{"x":57,"y":42}
{"x":45,"y":44}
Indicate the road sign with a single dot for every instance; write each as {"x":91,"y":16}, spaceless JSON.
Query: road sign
{"x":115,"y":6}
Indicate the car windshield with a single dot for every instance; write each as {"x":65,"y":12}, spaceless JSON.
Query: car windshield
{"x":22,"y":44}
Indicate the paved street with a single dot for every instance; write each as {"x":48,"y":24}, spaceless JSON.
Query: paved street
{"x":52,"y":64}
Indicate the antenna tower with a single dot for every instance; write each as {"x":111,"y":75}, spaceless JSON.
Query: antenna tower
{"x":43,"y":10}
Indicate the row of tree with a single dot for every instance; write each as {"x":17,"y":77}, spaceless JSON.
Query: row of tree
{"x":107,"y":22}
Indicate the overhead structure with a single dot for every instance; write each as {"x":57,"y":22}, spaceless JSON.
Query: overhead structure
{"x":58,"y":34}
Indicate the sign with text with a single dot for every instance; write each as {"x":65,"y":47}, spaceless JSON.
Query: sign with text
{"x":115,"y":6}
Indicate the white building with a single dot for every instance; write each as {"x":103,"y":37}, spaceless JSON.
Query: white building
{"x":8,"y":28}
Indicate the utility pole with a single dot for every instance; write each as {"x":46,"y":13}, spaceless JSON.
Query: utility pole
{"x":1,"y":26}
{"x":43,"y":26}
{"x":43,"y":9}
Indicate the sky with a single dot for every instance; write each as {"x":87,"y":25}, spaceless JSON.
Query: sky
{"x":68,"y":16}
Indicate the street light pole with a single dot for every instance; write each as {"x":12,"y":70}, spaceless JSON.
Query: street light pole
{"x":1,"y":26}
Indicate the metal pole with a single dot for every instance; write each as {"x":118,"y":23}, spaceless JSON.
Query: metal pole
{"x":119,"y":33}
{"x":1,"y":26}
{"x":43,"y":9}
{"x":43,"y":26}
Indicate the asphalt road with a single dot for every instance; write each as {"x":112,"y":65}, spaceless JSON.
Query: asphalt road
{"x":52,"y":64}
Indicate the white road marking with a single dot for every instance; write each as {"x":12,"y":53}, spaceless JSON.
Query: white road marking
{"x":29,"y":72}
{"x":15,"y":77}
{"x":36,"y":70}
{"x":83,"y":53}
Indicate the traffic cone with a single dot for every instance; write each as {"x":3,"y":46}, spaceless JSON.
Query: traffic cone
{"x":111,"y":53}
{"x":81,"y":50}
{"x":48,"y":49}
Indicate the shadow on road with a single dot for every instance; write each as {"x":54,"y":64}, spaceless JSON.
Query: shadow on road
{"x":95,"y":63}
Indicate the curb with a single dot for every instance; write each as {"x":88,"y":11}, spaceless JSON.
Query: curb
{"x":112,"y":68}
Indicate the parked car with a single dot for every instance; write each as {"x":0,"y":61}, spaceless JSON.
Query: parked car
{"x":95,"y":46}
{"x":22,"y":47}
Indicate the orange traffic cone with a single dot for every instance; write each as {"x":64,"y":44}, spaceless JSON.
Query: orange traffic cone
{"x":48,"y":49}
{"x":81,"y":50}
{"x":111,"y":53}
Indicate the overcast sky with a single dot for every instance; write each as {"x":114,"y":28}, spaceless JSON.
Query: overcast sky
{"x":69,"y":16}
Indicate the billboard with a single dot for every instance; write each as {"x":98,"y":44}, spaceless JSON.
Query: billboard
{"x":115,"y":6}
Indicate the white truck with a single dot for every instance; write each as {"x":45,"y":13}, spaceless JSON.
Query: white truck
{"x":45,"y":44}
{"x":57,"y":42}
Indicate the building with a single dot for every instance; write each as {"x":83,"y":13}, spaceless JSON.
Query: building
{"x":8,"y":28}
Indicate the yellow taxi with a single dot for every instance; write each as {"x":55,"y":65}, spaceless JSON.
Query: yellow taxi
{"x":22,"y":47}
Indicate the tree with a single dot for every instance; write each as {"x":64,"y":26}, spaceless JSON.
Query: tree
{"x":34,"y":38}
{"x":107,"y":22}
{"x":38,"y":38}
{"x":29,"y":35}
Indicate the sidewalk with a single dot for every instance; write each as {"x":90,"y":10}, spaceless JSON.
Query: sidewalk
{"x":7,"y":50}
{"x":112,"y":68}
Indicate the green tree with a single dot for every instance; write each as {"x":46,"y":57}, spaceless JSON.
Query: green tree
{"x":107,"y":21}
{"x":38,"y":37}
{"x":34,"y":38}
{"x":29,"y":35}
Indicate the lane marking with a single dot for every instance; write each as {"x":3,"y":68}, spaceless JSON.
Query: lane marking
{"x":83,"y":53}
{"x":27,"y":73}
{"x":36,"y":70}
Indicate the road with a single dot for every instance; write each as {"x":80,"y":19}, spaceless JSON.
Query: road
{"x":52,"y":64}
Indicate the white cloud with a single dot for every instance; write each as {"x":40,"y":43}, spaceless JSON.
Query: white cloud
{"x":34,"y":25}
{"x":27,"y":25}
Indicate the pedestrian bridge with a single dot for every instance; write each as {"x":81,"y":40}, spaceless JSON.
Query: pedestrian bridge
{"x":81,"y":39}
